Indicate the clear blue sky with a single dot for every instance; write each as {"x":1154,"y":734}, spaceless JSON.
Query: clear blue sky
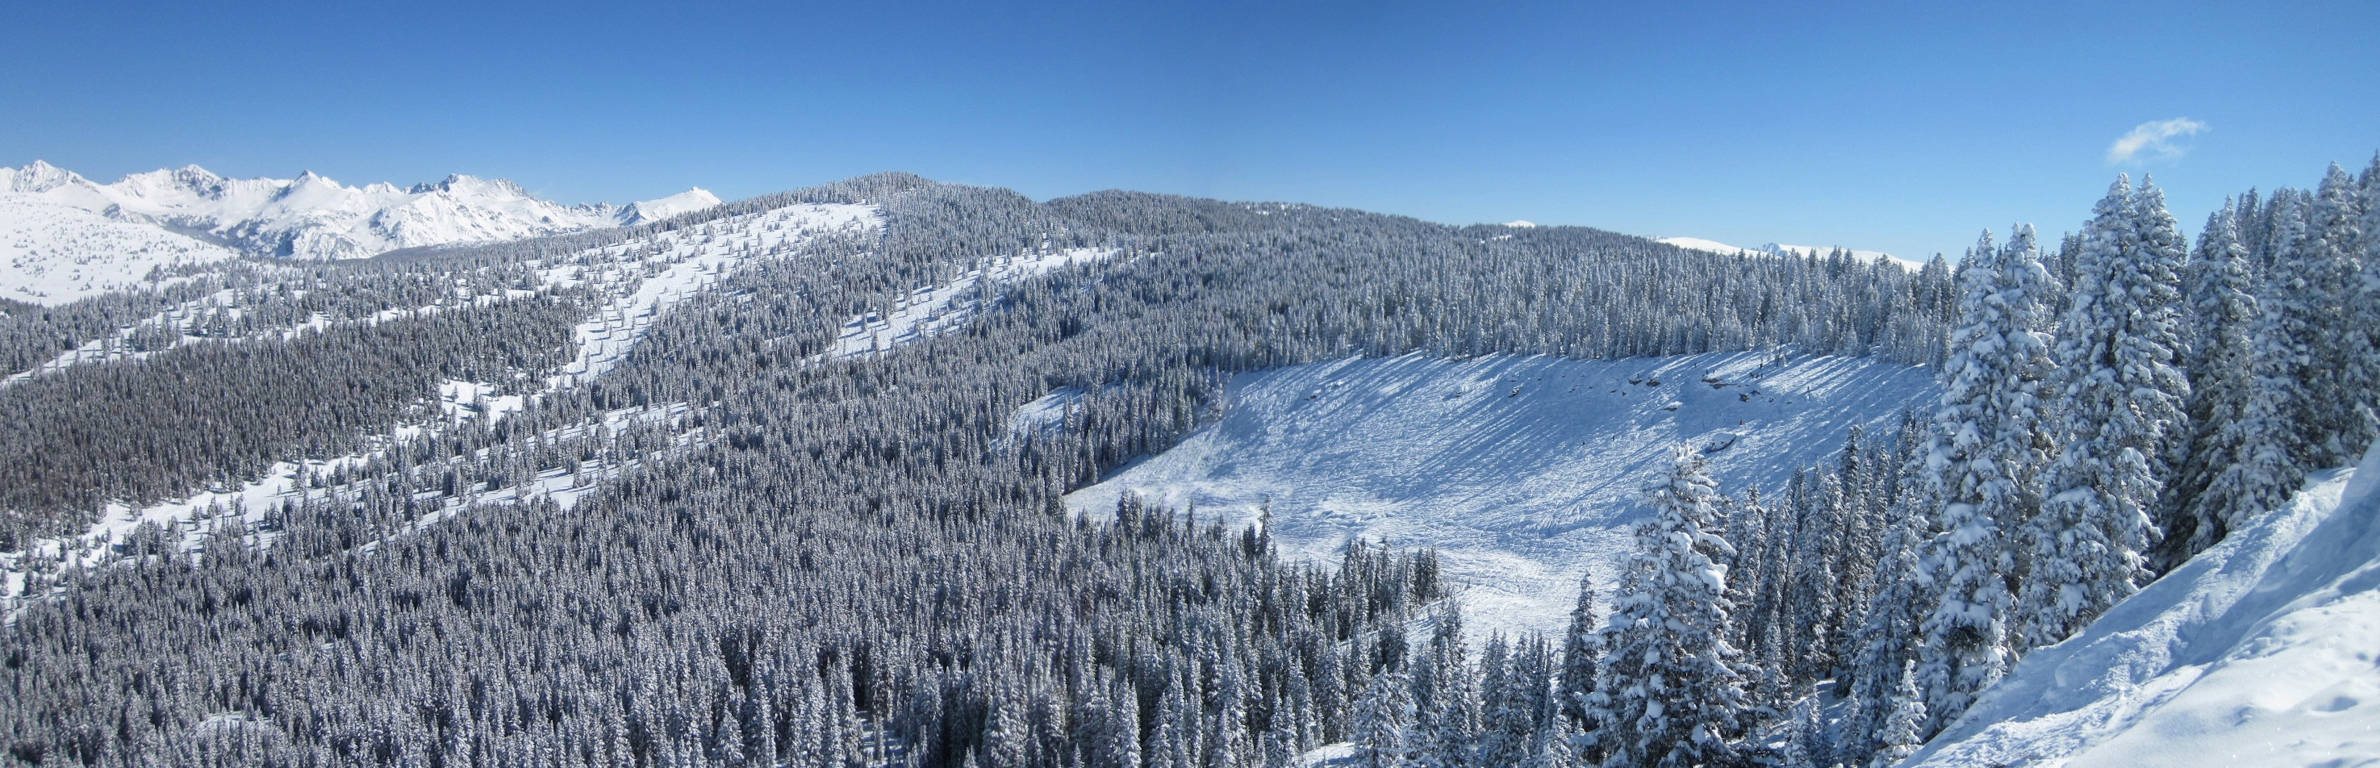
{"x":1897,"y":126}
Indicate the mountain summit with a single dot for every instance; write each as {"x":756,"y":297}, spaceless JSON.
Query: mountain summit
{"x":316,"y":217}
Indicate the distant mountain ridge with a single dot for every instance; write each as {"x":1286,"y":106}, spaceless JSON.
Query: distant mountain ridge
{"x":315,"y":217}
{"x":1781,"y":249}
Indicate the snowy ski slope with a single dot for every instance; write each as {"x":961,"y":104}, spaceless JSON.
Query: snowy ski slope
{"x":645,"y":277}
{"x":931,"y":310}
{"x":1524,"y":471}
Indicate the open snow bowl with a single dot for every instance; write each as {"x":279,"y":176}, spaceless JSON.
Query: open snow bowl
{"x":1523,"y":471}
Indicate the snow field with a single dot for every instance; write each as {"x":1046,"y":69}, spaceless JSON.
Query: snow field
{"x":1523,"y":471}
{"x":54,"y":254}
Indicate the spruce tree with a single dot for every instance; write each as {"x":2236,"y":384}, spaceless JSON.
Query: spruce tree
{"x":1506,"y":723}
{"x":1988,"y":444}
{"x":2345,"y":375}
{"x":1903,"y":729}
{"x":2255,"y":454}
{"x":2221,"y":295}
{"x":1817,"y":588}
{"x":1675,"y":688}
{"x":1886,"y":641}
{"x":1383,"y":721}
{"x":1575,"y":697}
{"x":1448,"y":723}
{"x":2292,"y":291}
{"x":2120,"y":414}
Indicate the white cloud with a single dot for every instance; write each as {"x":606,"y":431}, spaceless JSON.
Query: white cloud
{"x":2156,"y":138}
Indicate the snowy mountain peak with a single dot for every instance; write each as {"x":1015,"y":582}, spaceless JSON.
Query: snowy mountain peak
{"x":315,"y":217}
{"x":39,"y":177}
{"x":689,"y":201}
{"x":465,"y":184}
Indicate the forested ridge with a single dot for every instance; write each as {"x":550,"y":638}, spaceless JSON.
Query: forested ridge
{"x":853,"y":560}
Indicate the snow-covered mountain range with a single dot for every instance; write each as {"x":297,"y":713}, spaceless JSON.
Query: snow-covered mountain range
{"x":54,"y":220}
{"x":1782,"y":249}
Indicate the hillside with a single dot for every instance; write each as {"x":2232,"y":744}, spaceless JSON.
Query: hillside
{"x":868,"y":436}
{"x":2256,"y":652}
{"x":1523,"y":471}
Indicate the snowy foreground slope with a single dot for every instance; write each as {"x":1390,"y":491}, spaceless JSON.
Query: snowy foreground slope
{"x":1523,"y":471}
{"x":2262,"y":651}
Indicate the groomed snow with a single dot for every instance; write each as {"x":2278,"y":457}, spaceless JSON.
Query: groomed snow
{"x":2262,"y":651}
{"x":924,"y":312}
{"x":1523,"y":471}
{"x":645,"y":277}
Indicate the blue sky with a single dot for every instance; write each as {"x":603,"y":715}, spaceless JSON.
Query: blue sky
{"x":1896,"y":126}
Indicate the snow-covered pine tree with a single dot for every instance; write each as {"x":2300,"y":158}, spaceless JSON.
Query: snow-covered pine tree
{"x":1006,"y":741}
{"x":1280,"y":741}
{"x":1808,"y":740}
{"x":1505,"y":722}
{"x":1169,"y":740}
{"x":2120,"y":414}
{"x":2220,"y":289}
{"x":2291,"y":288}
{"x":1227,"y":734}
{"x":1575,"y":698}
{"x":1535,"y":669}
{"x":1746,"y":521}
{"x":1553,"y":749}
{"x":1988,"y":444}
{"x":2366,"y":305}
{"x":1383,"y":721}
{"x":1675,"y":688}
{"x":1816,"y":585}
{"x":1903,"y":729}
{"x":1860,"y":533}
{"x":1448,"y":722}
{"x":1886,"y":641}
{"x":2346,"y":373}
{"x":2254,"y":456}
{"x":1119,"y":734}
